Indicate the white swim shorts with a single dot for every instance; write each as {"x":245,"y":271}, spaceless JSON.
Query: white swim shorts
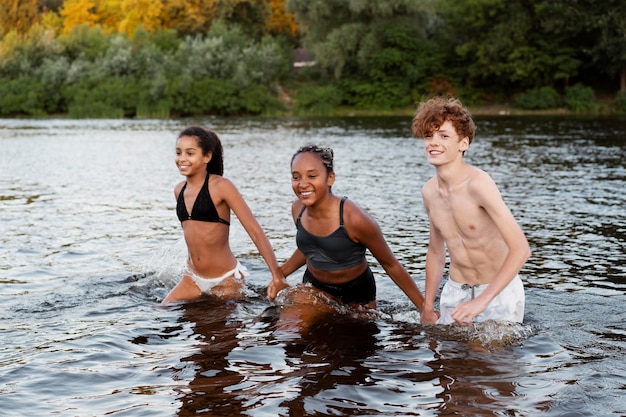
{"x":206,"y":285}
{"x":506,"y":306}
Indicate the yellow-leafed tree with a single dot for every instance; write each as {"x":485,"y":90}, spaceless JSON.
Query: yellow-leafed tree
{"x":189,"y":16}
{"x":78,"y":12}
{"x":280,"y":20}
{"x":145,"y":13}
{"x":110,"y":14}
{"x":18,"y":15}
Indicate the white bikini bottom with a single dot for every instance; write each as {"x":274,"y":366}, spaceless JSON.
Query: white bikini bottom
{"x":206,"y":284}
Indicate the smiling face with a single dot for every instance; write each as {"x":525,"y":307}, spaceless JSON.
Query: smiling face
{"x":310,"y":179}
{"x":444,"y":145}
{"x":189,"y":158}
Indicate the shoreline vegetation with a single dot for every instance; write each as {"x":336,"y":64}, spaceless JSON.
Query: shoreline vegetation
{"x":603,"y":109}
{"x":485,"y":110}
{"x":479,"y":111}
{"x":184,"y":58}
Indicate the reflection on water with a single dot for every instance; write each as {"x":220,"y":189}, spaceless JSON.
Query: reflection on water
{"x":90,"y":244}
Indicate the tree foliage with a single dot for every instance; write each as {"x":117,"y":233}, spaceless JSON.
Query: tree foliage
{"x":78,"y":12}
{"x":184,"y":57}
{"x":147,"y":14}
{"x":189,"y":17}
{"x":338,"y":31}
{"x":377,"y":49}
{"x":280,"y":21}
{"x":502,"y":42}
{"x":595,"y":27}
{"x":18,"y":15}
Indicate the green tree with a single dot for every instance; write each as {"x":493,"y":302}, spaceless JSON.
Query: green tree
{"x":505,"y":43}
{"x":21,"y":55}
{"x":338,"y":31}
{"x":84,"y":40}
{"x":228,"y":54}
{"x":250,"y":16}
{"x":596,"y":28}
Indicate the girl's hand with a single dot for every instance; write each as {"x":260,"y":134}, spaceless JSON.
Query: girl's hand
{"x":429,"y":317}
{"x":275,"y":286}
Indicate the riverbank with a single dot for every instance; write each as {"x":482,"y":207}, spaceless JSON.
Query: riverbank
{"x":603,"y":108}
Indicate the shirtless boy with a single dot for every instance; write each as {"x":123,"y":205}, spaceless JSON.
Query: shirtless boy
{"x":469,"y":218}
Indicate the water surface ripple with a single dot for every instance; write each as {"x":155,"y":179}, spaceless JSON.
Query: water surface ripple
{"x":90,"y":244}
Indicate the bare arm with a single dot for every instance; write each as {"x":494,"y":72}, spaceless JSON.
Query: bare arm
{"x":295,"y":261}
{"x":364,"y":229}
{"x":292,"y":264}
{"x":237,"y":204}
{"x":435,"y":264}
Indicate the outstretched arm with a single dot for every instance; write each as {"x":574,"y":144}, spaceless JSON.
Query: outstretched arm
{"x":237,"y":204}
{"x":291,"y":265}
{"x":295,"y":261}
{"x":435,"y":264}
{"x":363,"y":228}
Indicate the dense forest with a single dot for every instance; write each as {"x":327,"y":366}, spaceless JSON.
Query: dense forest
{"x":173,"y":58}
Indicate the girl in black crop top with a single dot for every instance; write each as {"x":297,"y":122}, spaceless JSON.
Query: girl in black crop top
{"x":332,"y":236}
{"x":203,"y":205}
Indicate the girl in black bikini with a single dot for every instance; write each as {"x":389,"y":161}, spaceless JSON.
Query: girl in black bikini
{"x":332,"y":236}
{"x":204,"y":203}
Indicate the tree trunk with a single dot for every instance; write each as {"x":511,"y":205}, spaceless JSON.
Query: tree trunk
{"x":622,"y":80}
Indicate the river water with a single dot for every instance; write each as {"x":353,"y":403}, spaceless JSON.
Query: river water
{"x":90,"y":244}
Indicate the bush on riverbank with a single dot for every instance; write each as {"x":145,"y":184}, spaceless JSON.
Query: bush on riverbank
{"x":620,"y":103}
{"x":578,"y":99}
{"x":91,"y":74}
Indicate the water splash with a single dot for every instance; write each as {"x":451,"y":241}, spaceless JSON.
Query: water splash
{"x":166,"y":265}
{"x":306,"y":294}
{"x":489,"y":334}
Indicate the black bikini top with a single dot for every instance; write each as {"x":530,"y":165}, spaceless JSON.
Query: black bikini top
{"x":203,"y":208}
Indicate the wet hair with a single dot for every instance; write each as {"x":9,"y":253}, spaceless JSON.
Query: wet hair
{"x":209,"y":142}
{"x":324,"y":153}
{"x":430,"y":115}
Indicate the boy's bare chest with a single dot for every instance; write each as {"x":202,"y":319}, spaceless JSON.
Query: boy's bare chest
{"x":456,"y":215}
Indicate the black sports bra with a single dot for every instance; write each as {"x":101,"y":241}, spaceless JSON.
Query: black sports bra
{"x":203,"y":208}
{"x":333,"y":252}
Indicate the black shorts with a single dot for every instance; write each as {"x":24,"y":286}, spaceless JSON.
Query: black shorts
{"x":361,"y":290}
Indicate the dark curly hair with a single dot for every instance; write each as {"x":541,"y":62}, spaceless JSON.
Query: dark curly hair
{"x":324,"y":153}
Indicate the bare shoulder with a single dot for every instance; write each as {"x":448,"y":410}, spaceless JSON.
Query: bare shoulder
{"x":221,"y":184}
{"x":360,"y":226}
{"x":429,"y":186}
{"x":296,"y":206}
{"x":178,"y":187}
{"x":355,"y":216}
{"x":484,"y":190}
{"x":480,"y":181}
{"x":480,"y":174}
